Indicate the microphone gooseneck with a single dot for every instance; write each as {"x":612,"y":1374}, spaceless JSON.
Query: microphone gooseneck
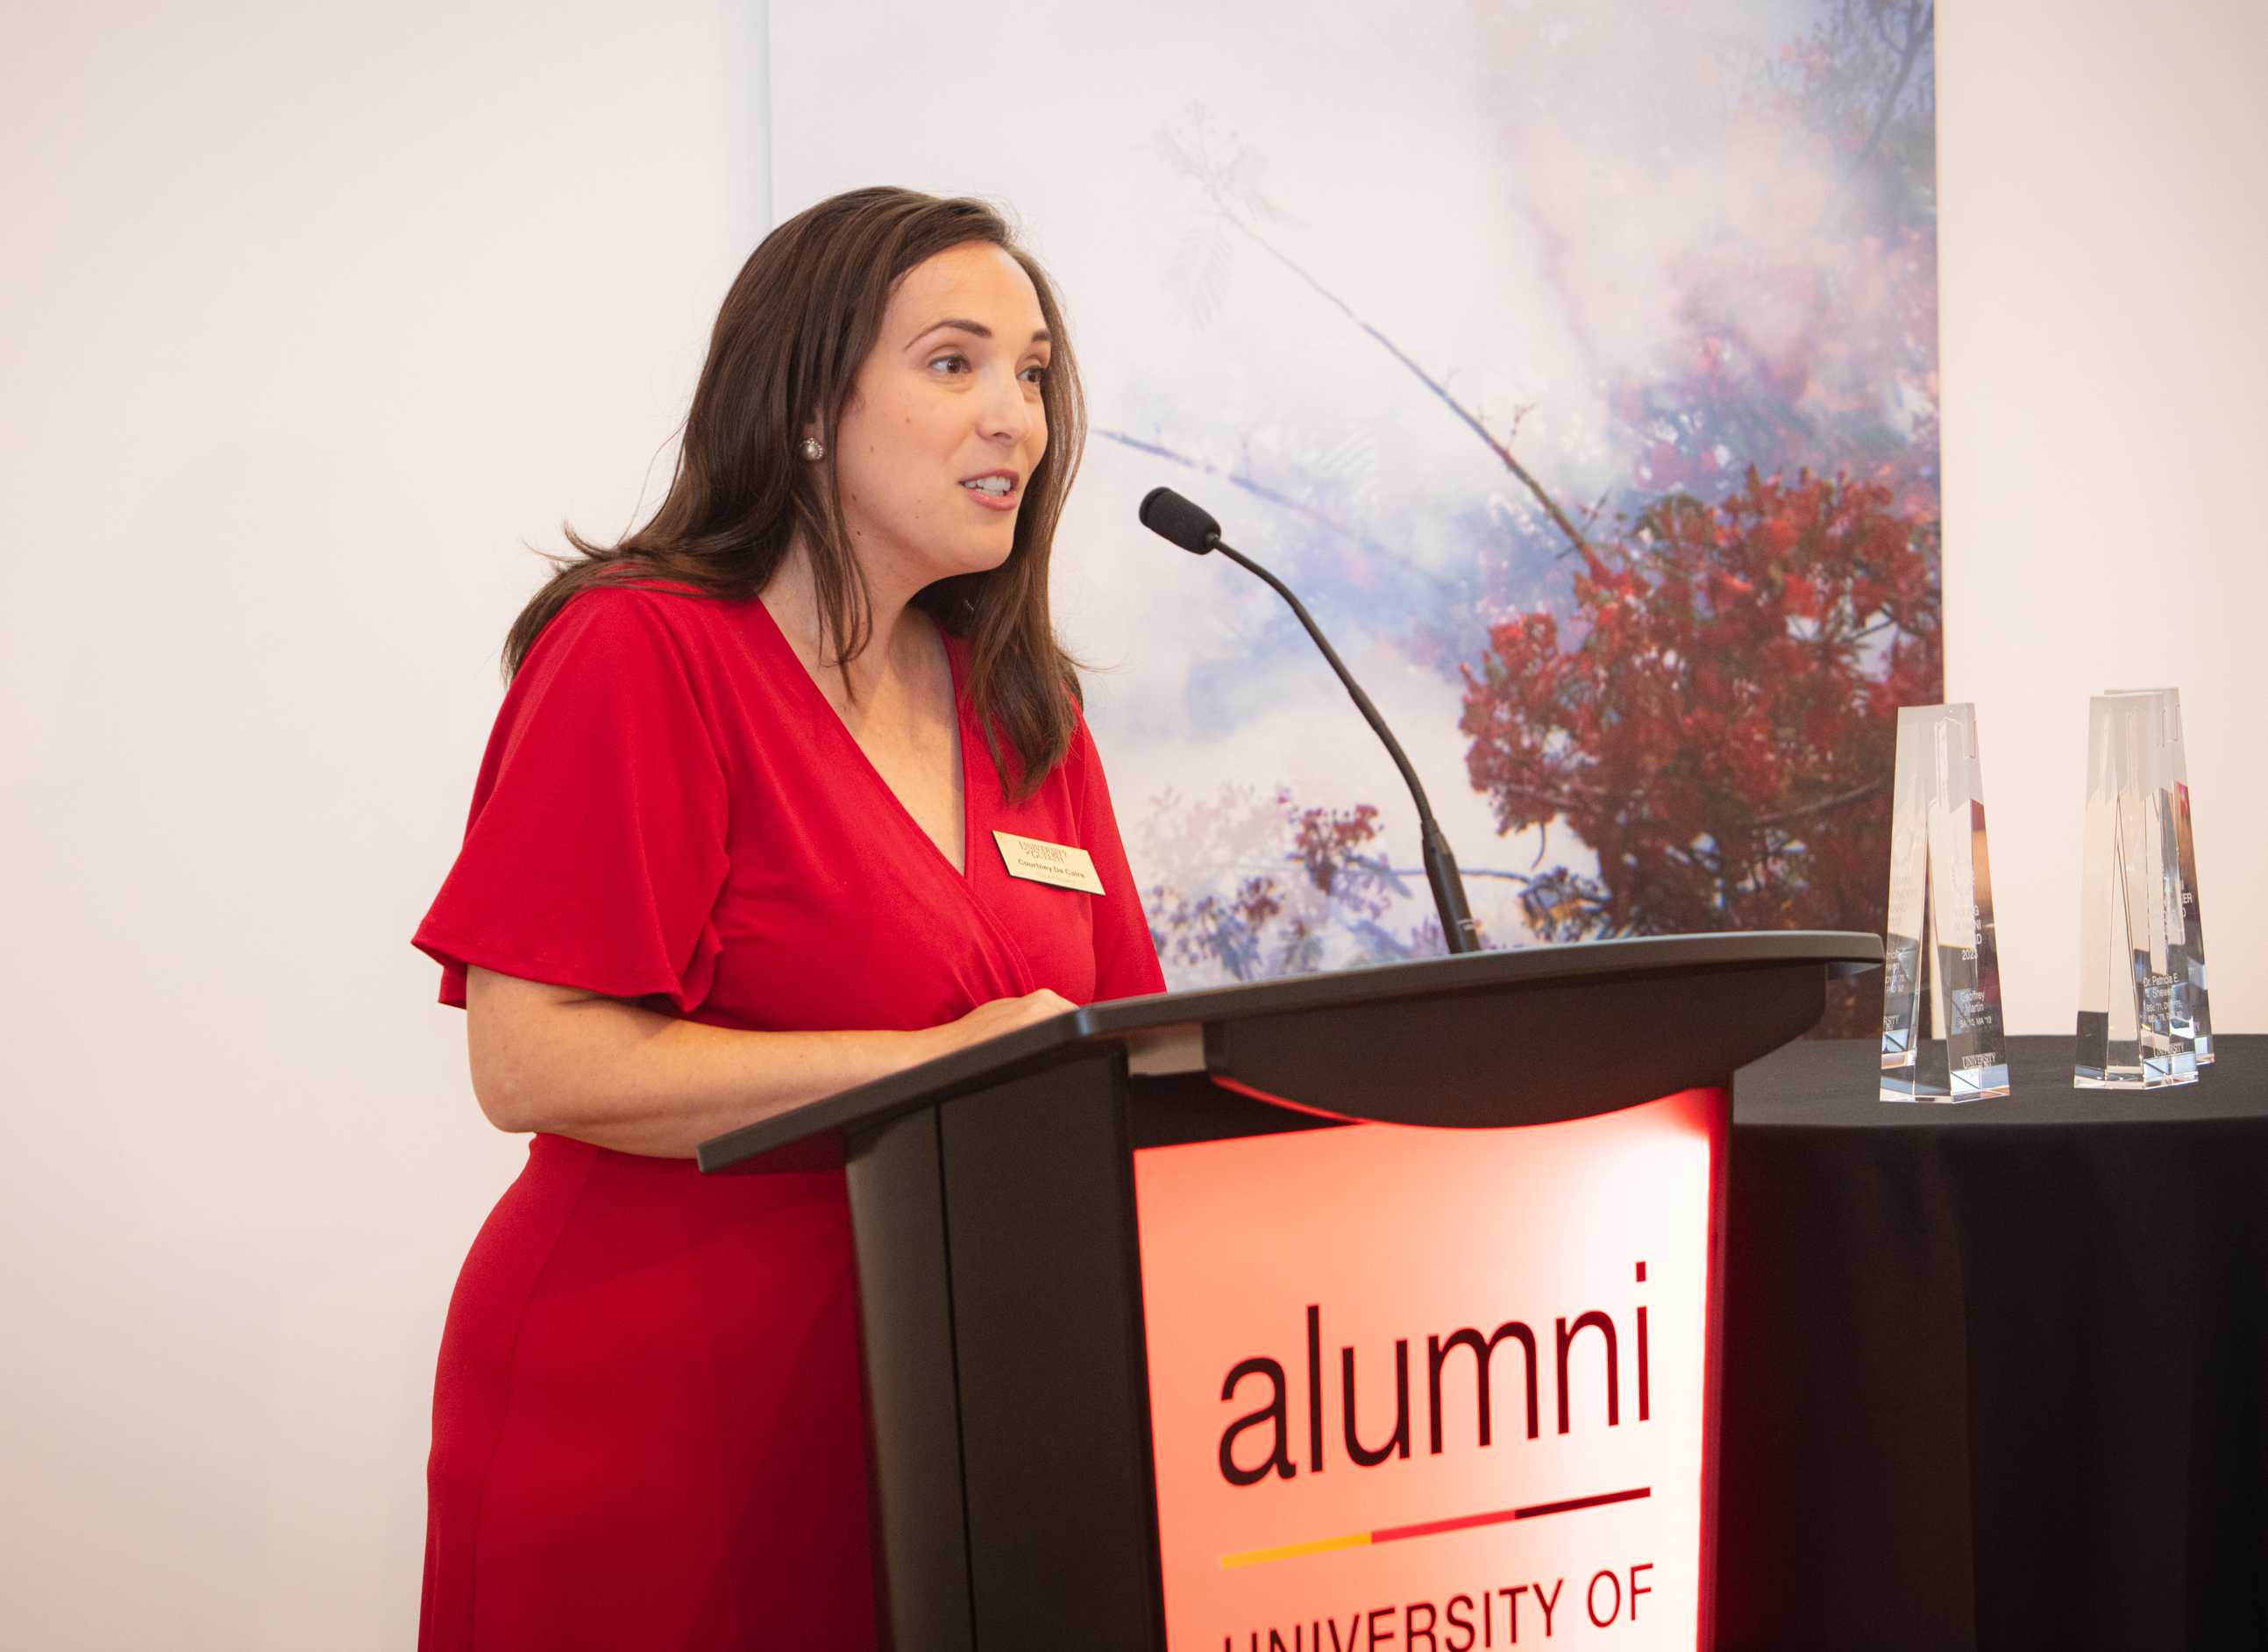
{"x":1168,"y":514}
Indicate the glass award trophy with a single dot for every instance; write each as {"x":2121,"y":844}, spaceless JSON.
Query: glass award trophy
{"x":1942,"y":1038}
{"x":2192,"y":1015}
{"x":2135,"y":1009}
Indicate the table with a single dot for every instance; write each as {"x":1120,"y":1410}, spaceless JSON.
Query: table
{"x":1995,"y":1374}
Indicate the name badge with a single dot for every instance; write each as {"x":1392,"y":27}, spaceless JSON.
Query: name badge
{"x":1043,"y":862}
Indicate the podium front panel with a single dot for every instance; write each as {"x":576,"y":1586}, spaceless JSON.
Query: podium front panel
{"x":1176,"y":1315}
{"x":1414,"y":1386}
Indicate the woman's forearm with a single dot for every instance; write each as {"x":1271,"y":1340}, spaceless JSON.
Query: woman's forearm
{"x":610,"y":1073}
{"x":629,"y":1079}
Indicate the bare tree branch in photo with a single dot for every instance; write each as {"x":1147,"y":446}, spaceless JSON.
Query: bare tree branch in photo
{"x":1808,"y":811}
{"x":1921,"y":19}
{"x":1237,"y":219}
{"x":1259,"y":489}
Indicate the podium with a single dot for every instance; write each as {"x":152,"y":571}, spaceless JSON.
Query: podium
{"x":1374,"y":1308}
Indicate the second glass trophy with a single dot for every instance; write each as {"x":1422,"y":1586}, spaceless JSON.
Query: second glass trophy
{"x":2140,"y":997}
{"x":2193,"y":1015}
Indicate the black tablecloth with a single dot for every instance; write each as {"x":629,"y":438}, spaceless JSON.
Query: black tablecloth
{"x":1995,"y":1374}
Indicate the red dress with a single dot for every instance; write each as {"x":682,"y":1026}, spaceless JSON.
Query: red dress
{"x":647,"y":1429}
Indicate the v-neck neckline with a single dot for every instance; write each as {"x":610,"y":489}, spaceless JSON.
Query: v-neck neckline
{"x":860,"y":760}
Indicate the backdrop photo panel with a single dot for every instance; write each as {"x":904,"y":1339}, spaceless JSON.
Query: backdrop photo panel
{"x":1577,"y":366}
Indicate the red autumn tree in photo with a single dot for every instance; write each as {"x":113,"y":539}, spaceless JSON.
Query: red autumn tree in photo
{"x":1716,"y":721}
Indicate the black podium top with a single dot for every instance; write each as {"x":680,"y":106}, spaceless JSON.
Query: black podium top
{"x":1597,"y":1022}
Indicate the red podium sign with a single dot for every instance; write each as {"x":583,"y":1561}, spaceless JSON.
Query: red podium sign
{"x":1431,"y":1390}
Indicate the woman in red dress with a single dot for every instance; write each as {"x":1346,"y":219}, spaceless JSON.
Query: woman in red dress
{"x":731,"y":849}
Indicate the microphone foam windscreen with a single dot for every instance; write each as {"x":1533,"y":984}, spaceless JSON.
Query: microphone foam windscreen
{"x":1168,"y":514}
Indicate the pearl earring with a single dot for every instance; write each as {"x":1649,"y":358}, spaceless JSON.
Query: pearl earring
{"x":813,"y":449}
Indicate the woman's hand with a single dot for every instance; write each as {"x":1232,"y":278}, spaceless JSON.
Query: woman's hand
{"x":1003,"y":1016}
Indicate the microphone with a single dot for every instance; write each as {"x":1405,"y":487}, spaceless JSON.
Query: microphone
{"x":1168,"y":516}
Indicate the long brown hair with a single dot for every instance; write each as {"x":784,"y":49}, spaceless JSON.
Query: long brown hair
{"x":799,"y":320}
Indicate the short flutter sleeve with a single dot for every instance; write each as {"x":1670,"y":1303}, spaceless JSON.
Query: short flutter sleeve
{"x":596,"y":846}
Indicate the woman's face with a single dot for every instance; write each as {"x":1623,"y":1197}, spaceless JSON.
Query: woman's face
{"x":949,"y":393}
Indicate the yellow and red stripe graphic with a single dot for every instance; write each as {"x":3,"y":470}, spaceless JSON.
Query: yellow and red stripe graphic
{"x":1423,"y":1529}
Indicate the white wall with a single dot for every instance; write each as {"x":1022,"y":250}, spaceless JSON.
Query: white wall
{"x":314,"y":312}
{"x":2106,"y":411}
